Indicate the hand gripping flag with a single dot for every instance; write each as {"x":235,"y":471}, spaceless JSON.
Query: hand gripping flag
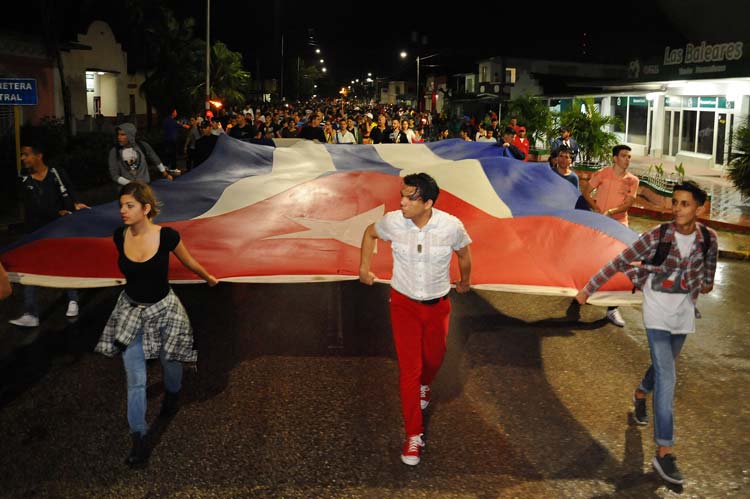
{"x":254,"y":213}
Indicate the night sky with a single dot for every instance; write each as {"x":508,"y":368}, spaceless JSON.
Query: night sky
{"x":356,"y":40}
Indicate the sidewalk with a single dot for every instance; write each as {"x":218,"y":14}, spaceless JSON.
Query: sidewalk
{"x":728,"y":210}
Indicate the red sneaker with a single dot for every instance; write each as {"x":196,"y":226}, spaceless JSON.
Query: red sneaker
{"x":424,"y":396}
{"x":412,"y":450}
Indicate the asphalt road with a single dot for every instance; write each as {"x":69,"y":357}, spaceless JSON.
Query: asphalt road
{"x":295,"y":395}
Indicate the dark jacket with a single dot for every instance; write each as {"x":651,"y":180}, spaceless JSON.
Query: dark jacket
{"x":313,"y":133}
{"x":574,"y":149}
{"x":44,"y":199}
{"x":204,"y":147}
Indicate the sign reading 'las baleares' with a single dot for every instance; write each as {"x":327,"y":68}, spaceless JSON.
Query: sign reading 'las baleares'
{"x":18,"y":91}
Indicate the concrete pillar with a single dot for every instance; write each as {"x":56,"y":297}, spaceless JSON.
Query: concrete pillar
{"x":657,"y":127}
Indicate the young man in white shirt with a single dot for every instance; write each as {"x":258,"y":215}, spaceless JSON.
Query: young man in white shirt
{"x":344,"y":136}
{"x":423,"y":240}
{"x":673,"y":264}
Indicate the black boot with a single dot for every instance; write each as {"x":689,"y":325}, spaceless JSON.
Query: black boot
{"x":170,"y":405}
{"x":138,"y":457}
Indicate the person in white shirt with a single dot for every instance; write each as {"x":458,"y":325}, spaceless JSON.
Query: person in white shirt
{"x":408,"y":131}
{"x":423,"y":240}
{"x":344,"y":136}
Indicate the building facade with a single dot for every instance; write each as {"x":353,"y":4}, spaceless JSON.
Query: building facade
{"x":95,"y":71}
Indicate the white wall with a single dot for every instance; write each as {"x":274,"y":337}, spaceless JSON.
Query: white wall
{"x":106,"y":55}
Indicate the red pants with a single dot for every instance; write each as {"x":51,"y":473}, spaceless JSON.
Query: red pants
{"x":419,"y":332}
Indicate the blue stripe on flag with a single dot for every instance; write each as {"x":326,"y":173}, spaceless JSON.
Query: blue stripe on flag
{"x":359,"y":157}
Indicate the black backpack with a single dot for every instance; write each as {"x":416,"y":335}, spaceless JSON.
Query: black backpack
{"x":664,"y":247}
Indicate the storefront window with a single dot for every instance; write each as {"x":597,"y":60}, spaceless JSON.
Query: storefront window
{"x":676,"y":133}
{"x":620,"y":108}
{"x":638,"y":122}
{"x":706,"y":133}
{"x":689,"y":122}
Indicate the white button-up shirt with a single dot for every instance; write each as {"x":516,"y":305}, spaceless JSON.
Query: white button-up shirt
{"x":421,"y":257}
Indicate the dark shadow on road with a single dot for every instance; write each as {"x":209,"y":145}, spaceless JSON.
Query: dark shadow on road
{"x":494,"y":415}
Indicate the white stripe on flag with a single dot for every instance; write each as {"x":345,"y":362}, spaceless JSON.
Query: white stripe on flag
{"x":292,"y":166}
{"x":464,"y":178}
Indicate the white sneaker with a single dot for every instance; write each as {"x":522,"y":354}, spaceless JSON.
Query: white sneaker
{"x":412,"y":450}
{"x":72,"y":309}
{"x":26,"y":320}
{"x":615,"y":317}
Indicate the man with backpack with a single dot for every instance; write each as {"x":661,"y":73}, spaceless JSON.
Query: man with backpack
{"x":673,"y":264}
{"x":47,"y":195}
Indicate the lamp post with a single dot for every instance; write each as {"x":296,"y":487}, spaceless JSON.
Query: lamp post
{"x":403,"y":56}
{"x":208,"y":54}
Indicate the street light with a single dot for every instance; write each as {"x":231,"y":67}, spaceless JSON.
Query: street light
{"x":403,"y":56}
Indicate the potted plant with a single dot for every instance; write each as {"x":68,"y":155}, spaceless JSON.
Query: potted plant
{"x":535,"y":115}
{"x":589,"y":129}
{"x":739,"y":160}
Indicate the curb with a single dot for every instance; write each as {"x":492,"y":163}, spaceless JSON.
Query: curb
{"x":714,"y":224}
{"x":734,"y":254}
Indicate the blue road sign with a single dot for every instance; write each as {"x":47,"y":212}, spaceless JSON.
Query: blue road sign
{"x":18,"y":92}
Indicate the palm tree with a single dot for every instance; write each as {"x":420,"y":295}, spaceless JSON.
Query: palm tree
{"x":229,"y":80}
{"x":589,"y":128}
{"x":174,"y":56}
{"x":535,"y":115}
{"x":739,"y":160}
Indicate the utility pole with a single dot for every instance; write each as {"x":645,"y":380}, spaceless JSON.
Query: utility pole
{"x":208,"y":54}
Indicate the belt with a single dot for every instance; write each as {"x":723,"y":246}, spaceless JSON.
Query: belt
{"x":434,"y":301}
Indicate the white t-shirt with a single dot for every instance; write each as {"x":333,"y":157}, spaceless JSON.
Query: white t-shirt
{"x":130,"y":156}
{"x":667,"y":304}
{"x":422,"y":257}
{"x":345,"y":138}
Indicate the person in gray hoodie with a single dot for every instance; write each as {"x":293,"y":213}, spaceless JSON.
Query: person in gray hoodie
{"x":130,"y":158}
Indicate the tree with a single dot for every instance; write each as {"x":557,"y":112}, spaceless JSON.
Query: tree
{"x":308,"y":77}
{"x":589,"y":129}
{"x":229,"y":80}
{"x":50,"y":15}
{"x":173,"y":60}
{"x":535,"y":115}
{"x":739,"y":160}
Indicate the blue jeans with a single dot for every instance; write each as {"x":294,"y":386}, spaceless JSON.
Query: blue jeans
{"x":30,"y":304}
{"x":135,"y":371}
{"x":661,"y":378}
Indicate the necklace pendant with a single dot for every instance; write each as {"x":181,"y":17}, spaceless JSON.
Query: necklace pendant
{"x":419,"y":248}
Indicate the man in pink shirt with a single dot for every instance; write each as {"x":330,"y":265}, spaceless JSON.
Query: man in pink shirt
{"x":616,"y":190}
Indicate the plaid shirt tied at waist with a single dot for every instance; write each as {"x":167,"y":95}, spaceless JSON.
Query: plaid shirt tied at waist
{"x":167,"y":315}
{"x":697,"y":271}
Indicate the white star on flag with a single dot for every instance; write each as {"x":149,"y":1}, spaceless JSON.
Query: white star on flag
{"x":347,"y":231}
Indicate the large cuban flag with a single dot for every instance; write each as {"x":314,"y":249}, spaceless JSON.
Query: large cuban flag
{"x":255,"y":213}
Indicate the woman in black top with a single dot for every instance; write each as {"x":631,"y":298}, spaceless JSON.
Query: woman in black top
{"x":148,"y":321}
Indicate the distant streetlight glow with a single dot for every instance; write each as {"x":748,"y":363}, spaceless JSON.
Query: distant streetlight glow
{"x":322,"y":61}
{"x":324,"y":70}
{"x":369,"y":74}
{"x":403,"y":54}
{"x":317,"y":51}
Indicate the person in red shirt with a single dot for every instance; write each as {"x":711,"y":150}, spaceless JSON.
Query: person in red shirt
{"x":521,"y":142}
{"x":616,"y":190}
